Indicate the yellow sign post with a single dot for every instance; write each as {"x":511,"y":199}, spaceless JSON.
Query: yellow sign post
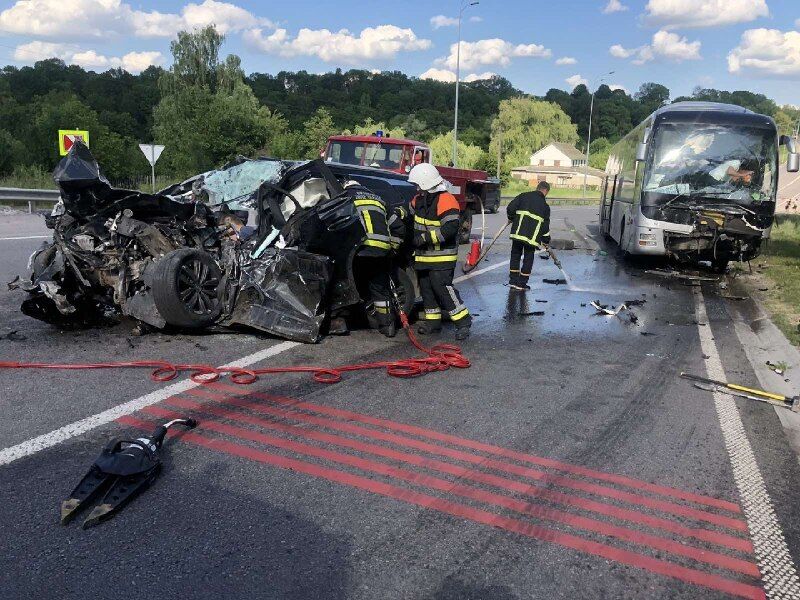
{"x":67,"y":137}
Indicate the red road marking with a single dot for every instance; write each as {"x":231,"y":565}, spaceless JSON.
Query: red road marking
{"x":535,"y":474}
{"x":466,"y":512}
{"x":714,"y":537}
{"x":537,"y":511}
{"x":496,"y":450}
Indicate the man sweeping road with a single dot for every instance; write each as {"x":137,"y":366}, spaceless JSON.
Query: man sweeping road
{"x":436,"y":224}
{"x":529,"y":214}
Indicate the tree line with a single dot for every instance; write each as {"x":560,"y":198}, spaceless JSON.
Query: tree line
{"x":206,"y":111}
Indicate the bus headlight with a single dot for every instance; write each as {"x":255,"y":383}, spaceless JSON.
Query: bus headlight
{"x":647,"y":240}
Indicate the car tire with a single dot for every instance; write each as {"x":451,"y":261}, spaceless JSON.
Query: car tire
{"x":186,"y":288}
{"x":406,"y":292}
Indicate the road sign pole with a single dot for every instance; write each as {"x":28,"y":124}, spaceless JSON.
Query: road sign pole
{"x":153,"y":175}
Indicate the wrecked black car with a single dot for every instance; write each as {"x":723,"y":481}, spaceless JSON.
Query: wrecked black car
{"x":186,"y":258}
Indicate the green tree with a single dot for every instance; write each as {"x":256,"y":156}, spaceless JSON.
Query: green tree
{"x":369,"y":127}
{"x":469,"y":156}
{"x":600,"y":150}
{"x":526,"y":125}
{"x":207,"y":114}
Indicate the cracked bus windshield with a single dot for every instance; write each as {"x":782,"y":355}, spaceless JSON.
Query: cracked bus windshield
{"x":379,"y":156}
{"x":694,"y":162}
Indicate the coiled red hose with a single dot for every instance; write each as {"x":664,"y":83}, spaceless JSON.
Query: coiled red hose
{"x":440,"y":357}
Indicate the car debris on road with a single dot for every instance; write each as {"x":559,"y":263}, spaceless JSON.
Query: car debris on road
{"x":185,"y":258}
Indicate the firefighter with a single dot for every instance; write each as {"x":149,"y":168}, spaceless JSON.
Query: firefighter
{"x":373,"y":260}
{"x":436,"y":225}
{"x":530,"y":229}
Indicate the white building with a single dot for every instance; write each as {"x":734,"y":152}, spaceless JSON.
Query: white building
{"x":560,"y":165}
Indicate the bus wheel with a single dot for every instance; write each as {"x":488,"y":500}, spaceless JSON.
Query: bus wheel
{"x":720,"y":265}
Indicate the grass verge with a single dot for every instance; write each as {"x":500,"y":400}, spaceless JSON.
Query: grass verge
{"x":781,"y":276}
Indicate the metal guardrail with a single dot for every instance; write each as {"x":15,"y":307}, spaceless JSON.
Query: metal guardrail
{"x":29,"y":197}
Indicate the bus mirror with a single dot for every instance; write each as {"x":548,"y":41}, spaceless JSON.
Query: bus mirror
{"x":641,"y":152}
{"x":788,"y":141}
{"x":793,"y":162}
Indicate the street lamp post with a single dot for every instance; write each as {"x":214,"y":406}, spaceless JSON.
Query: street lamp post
{"x":464,"y":7}
{"x":589,"y":139}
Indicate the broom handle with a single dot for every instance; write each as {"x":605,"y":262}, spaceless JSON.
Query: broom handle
{"x":494,"y":239}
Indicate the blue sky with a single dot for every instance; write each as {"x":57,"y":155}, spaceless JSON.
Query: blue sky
{"x":727,"y":44}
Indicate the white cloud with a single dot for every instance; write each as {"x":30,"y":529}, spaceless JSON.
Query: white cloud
{"x":33,"y":51}
{"x":665,"y":45}
{"x":614,"y":6}
{"x":491,"y":52}
{"x":439,"y":75}
{"x":676,"y":14}
{"x":79,"y":19}
{"x":373,"y":43}
{"x":767,"y":52}
{"x":617,"y":51}
{"x":448,"y":76}
{"x":576,"y":80}
{"x":133,"y":62}
{"x":615,"y":86}
{"x":479,"y":76}
{"x":136,"y":62}
{"x":566,"y":60}
{"x":442,"y":21}
{"x":476,"y":19}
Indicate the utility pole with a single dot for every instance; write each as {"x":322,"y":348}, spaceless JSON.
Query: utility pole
{"x":589,"y":140}
{"x":464,"y":6}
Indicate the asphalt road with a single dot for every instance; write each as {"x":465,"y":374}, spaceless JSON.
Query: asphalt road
{"x":569,"y":461}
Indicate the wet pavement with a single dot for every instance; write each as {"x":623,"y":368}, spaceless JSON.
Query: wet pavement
{"x":569,"y":461}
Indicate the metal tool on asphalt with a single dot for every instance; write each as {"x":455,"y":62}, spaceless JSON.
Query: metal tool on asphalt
{"x":466,"y":267}
{"x":733,"y":389}
{"x":123,"y":470}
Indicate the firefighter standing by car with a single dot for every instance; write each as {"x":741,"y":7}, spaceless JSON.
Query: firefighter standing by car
{"x":529,"y":214}
{"x":436,"y":225}
{"x":373,"y":262}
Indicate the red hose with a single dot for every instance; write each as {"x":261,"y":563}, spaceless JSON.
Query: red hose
{"x":438,"y":358}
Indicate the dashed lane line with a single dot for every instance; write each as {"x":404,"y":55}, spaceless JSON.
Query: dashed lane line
{"x":26,"y":237}
{"x":772,"y":553}
{"x":62,"y":434}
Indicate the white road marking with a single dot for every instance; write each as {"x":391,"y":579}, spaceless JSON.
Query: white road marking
{"x":472,"y":274}
{"x":42,"y":442}
{"x":772,"y":554}
{"x":26,"y":237}
{"x":47,"y":440}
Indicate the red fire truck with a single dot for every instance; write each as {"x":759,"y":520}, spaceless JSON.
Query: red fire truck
{"x":473,"y":189}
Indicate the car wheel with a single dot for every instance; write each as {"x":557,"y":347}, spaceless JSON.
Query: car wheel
{"x":466,"y":227}
{"x":186,"y":288}
{"x":406,"y":292}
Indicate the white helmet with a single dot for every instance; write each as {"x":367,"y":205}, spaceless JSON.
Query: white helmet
{"x":426,"y":176}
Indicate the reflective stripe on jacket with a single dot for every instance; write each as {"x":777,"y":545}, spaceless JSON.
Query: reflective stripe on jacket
{"x":436,"y":225}
{"x":372,"y":211}
{"x":530,"y":217}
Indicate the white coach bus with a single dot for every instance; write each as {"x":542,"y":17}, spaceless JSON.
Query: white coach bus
{"x":696,"y":181}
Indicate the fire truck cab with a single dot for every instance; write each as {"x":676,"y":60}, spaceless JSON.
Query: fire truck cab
{"x":472,"y":188}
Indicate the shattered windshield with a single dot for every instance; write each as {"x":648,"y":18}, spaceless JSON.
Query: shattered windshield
{"x":719,"y":162}
{"x":235,"y":185}
{"x":379,"y":156}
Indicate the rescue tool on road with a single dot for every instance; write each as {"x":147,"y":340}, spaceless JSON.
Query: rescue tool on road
{"x":740,"y":391}
{"x":123,"y":470}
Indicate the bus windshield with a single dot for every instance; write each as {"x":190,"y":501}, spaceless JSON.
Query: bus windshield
{"x":722,"y":163}
{"x":380,"y":156}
